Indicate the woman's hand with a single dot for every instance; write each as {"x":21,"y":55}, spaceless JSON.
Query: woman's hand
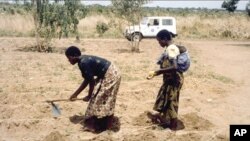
{"x":151,"y":74}
{"x":73,"y":97}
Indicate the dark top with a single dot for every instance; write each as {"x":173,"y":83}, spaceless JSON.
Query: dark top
{"x":91,"y":66}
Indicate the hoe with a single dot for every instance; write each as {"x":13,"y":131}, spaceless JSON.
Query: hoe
{"x":55,"y":108}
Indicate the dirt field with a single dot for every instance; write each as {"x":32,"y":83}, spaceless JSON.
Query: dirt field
{"x":215,"y":93}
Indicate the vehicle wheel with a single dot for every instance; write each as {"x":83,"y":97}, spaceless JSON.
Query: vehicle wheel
{"x":129,"y":38}
{"x":137,"y":37}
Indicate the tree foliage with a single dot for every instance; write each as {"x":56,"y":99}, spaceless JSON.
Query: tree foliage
{"x":130,"y":10}
{"x":56,"y":19}
{"x":230,"y":5}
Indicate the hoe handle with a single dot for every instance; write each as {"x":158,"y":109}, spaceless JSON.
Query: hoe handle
{"x":57,"y":100}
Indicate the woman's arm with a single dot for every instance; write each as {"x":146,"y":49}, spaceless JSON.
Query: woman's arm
{"x":91,"y":87}
{"x":171,"y":68}
{"x":79,"y":90}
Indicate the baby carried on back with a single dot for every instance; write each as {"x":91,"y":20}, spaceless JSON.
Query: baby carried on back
{"x":183,"y":59}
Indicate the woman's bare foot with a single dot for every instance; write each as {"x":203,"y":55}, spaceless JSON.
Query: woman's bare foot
{"x":173,"y":124}
{"x":156,"y":118}
{"x":89,"y":129}
{"x":86,"y":98}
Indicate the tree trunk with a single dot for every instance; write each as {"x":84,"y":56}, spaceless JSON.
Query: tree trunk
{"x":36,"y":18}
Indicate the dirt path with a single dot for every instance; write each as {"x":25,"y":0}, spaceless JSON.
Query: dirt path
{"x":230,"y":59}
{"x":215,"y":93}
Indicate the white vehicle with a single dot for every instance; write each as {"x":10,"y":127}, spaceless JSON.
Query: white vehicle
{"x":149,"y":27}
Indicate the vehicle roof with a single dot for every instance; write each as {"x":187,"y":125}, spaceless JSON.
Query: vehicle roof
{"x":159,"y":17}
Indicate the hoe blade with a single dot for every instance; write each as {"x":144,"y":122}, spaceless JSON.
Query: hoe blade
{"x":55,"y":110}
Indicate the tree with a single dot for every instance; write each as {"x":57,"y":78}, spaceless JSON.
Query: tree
{"x":131,"y":11}
{"x":55,"y":19}
{"x":230,"y":5}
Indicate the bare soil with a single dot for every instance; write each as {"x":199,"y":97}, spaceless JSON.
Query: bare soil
{"x":215,"y":93}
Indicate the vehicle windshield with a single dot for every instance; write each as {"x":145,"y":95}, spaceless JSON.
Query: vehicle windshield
{"x":144,"y":21}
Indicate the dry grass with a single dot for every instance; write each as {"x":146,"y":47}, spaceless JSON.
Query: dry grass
{"x":233,"y":26}
{"x":195,"y":26}
{"x":87,"y":26}
{"x":16,"y":23}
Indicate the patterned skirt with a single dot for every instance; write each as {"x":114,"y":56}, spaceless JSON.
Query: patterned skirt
{"x":102,"y":102}
{"x":167,"y":101}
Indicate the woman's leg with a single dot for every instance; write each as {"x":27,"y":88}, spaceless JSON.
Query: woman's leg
{"x":174,"y":106}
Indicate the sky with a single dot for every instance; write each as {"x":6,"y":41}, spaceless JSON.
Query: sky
{"x":210,"y":4}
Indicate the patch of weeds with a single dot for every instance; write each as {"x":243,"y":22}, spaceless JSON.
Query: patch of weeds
{"x":125,"y":68}
{"x":34,"y":48}
{"x":17,"y":68}
{"x":220,"y":78}
{"x":42,"y":90}
{"x":145,"y":64}
{"x":73,"y":77}
{"x":61,"y":66}
{"x":144,"y":61}
{"x":241,"y":45}
{"x":68,"y":132}
{"x":127,"y":77}
{"x":190,"y":73}
{"x":194,"y":61}
{"x":39,"y":64}
{"x":57,"y":73}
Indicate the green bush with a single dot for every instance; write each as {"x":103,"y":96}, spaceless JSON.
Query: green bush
{"x":227,"y":33}
{"x":101,"y":28}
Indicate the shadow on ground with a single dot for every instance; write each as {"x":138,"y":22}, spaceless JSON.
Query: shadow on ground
{"x":241,"y":45}
{"x":79,"y":119}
